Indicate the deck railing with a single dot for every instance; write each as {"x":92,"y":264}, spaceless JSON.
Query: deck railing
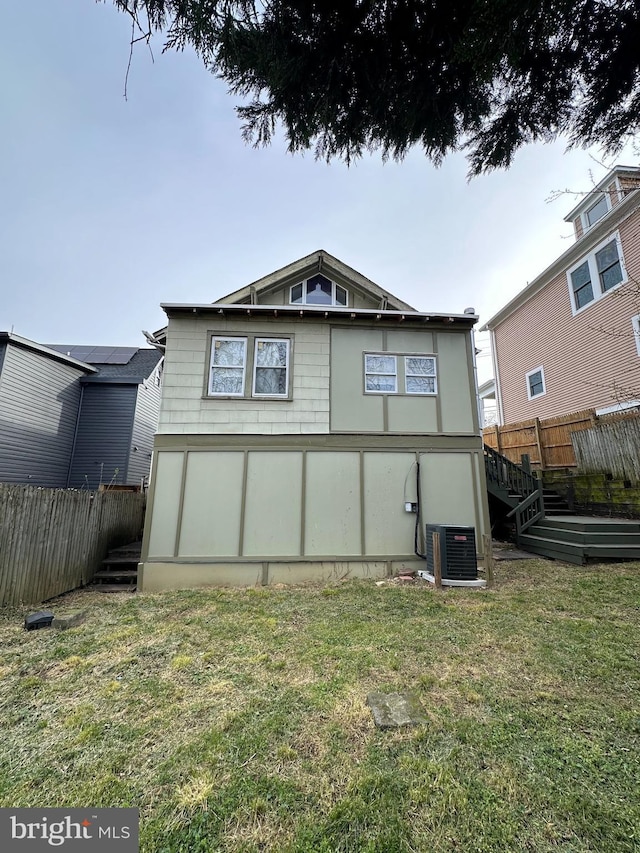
{"x":518,"y":483}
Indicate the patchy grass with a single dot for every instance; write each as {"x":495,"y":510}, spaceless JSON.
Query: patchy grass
{"x":236,"y":719}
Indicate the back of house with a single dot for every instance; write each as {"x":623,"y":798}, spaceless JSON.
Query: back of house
{"x":304,"y":419}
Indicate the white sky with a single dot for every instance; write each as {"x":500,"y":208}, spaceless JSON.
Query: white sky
{"x":111,"y":206}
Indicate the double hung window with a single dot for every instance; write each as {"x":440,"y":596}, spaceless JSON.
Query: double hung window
{"x":595,"y":275}
{"x":387,"y":373}
{"x":535,"y":383}
{"x":251,"y":366}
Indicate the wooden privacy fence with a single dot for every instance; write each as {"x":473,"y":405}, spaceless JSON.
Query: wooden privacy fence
{"x":610,"y":448}
{"x":53,"y":540}
{"x":547,"y":443}
{"x":550,"y":443}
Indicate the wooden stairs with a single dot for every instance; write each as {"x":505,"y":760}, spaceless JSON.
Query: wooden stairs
{"x":545,"y":525}
{"x":581,"y":539}
{"x":119,"y":570}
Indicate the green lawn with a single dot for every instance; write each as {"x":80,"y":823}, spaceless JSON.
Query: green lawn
{"x":236,"y":719}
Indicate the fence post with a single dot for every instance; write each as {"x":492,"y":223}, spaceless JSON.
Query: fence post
{"x":437,"y":565}
{"x":488,"y":558}
{"x":536,"y":424}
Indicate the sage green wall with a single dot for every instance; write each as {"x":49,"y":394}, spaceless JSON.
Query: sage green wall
{"x":273,"y":498}
{"x":212,"y":505}
{"x":449,"y":493}
{"x":450,"y":411}
{"x":264,"y":504}
{"x":332,"y":504}
{"x":187,"y":409}
{"x":389,"y":481}
{"x":351,"y":409}
{"x":163,"y":520}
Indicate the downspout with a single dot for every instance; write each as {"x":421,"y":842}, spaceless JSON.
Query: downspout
{"x":496,"y":375}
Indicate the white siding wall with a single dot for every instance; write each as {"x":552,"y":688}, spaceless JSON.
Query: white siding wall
{"x":186,"y":410}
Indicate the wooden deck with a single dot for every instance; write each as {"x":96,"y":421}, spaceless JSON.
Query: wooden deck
{"x":583,"y":539}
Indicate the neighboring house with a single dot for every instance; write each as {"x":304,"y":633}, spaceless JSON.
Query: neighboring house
{"x":76,"y":416}
{"x":487,"y":395}
{"x":571,"y":339}
{"x":299,"y":416}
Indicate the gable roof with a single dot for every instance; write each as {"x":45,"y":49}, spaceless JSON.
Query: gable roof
{"x":318,"y":261}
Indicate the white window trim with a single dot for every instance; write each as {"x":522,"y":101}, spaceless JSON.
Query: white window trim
{"x":433,"y":393}
{"x":539,"y":370}
{"x":334,"y":284}
{"x":257,"y":394}
{"x":590,"y":258}
{"x":635,"y":322}
{"x":400,"y":374}
{"x":377,"y":373}
{"x":212,"y":366}
{"x":583,"y":216}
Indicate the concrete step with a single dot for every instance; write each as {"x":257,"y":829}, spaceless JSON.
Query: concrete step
{"x":113,"y":587}
{"x":111,"y":574}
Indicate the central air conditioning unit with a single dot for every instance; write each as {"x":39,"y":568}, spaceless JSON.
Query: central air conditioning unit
{"x":458,"y":562}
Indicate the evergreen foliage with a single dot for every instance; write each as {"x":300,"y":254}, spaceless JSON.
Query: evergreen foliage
{"x":348,"y":76}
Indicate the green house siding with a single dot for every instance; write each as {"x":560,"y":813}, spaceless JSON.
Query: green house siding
{"x":273,"y":504}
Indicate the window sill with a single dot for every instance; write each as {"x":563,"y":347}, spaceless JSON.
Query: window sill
{"x":237,"y":399}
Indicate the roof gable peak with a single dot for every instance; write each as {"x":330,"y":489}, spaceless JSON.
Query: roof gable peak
{"x":322,"y":262}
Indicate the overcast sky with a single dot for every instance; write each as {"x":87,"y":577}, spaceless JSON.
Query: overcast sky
{"x":112,"y":206}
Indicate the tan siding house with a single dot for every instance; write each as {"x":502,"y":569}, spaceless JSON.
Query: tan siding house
{"x":299,"y":416}
{"x":571,"y":339}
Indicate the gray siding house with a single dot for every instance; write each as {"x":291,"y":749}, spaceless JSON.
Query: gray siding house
{"x":300,"y":415}
{"x":75,"y":416}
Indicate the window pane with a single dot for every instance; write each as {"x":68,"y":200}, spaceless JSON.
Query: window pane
{"x":581,"y":283}
{"x":609,"y":278}
{"x":296,"y":294}
{"x":319,"y":291}
{"x":597,"y":211}
{"x":226,"y":380}
{"x":608,"y":265}
{"x":535,"y":384}
{"x":271,"y":380}
{"x":421,"y":384}
{"x":380,"y":363}
{"x":271,"y":353}
{"x":420,"y":366}
{"x":229,"y":353}
{"x":341,"y":295}
{"x":380,"y":383}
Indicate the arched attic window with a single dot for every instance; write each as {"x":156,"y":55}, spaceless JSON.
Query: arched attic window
{"x":318,"y":290}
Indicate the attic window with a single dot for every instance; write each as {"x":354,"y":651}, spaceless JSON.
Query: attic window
{"x":597,"y":210}
{"x":318,"y":290}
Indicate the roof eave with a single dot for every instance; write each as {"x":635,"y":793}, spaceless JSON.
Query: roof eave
{"x":25,"y":343}
{"x":316,"y":312}
{"x":610,"y":176}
